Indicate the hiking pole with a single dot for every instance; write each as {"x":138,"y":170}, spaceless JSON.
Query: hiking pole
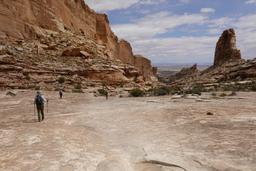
{"x":47,"y":107}
{"x":34,"y":110}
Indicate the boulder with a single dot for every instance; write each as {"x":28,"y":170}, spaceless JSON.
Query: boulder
{"x":76,"y":52}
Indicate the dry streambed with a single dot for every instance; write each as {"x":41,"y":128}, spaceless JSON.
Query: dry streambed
{"x":82,"y":132}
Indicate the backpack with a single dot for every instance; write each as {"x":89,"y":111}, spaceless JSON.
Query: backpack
{"x":39,"y":100}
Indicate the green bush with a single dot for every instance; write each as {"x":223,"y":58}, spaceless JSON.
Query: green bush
{"x":161,"y":91}
{"x":78,"y":86}
{"x":223,"y":95}
{"x":214,"y":94}
{"x":102,"y":92}
{"x":137,"y":92}
{"x":77,"y":89}
{"x":61,"y":80}
{"x":233,"y":93}
{"x":27,"y":77}
{"x":195,"y":90}
{"x":175,"y":90}
{"x":253,"y":86}
{"x":37,"y":88}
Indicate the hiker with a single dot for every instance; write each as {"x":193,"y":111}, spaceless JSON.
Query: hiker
{"x":39,"y":102}
{"x":61,"y":94}
{"x":106,"y":95}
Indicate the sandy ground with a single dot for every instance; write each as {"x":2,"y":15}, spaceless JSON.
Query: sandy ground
{"x":84,"y":133}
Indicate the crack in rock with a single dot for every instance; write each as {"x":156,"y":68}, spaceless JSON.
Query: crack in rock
{"x":155,"y":162}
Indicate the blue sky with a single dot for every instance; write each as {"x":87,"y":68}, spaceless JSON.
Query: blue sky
{"x":180,"y":31}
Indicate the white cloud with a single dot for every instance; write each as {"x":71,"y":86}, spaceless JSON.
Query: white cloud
{"x":207,"y":10}
{"x":155,"y":24}
{"x":102,"y":5}
{"x":144,"y":35}
{"x":251,"y":2}
{"x":107,"y":5}
{"x":177,"y":50}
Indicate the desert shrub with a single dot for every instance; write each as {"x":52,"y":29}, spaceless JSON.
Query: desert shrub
{"x":223,"y":95}
{"x":61,"y":80}
{"x":161,"y":91}
{"x":195,"y":90}
{"x":27,"y":77}
{"x":37,"y":88}
{"x":102,"y":92}
{"x":78,"y":86}
{"x":137,"y":92}
{"x":175,"y":90}
{"x":214,"y":94}
{"x":233,"y":93}
{"x":77,"y":89}
{"x":253,"y":86}
{"x":230,"y":88}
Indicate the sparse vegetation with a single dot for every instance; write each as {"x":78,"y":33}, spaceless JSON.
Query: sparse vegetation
{"x":77,"y":89}
{"x":102,"y":92}
{"x":78,"y":86}
{"x":195,"y":90}
{"x":233,"y":93}
{"x":61,"y":80}
{"x":37,"y":88}
{"x":223,"y":95}
{"x":249,"y":86}
{"x":175,"y":90}
{"x":214,"y":94}
{"x":137,"y":92}
{"x":27,"y":76}
{"x":161,"y":91}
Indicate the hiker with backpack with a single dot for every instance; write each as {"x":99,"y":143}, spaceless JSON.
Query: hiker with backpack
{"x":39,"y":103}
{"x":61,"y":94}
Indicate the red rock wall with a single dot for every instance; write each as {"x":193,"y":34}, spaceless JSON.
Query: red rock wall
{"x":29,"y":18}
{"x":105,"y":36}
{"x":145,"y":67}
{"x":19,"y":18}
{"x":125,"y":53}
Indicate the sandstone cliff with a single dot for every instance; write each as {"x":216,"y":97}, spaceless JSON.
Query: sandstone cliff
{"x":60,"y":33}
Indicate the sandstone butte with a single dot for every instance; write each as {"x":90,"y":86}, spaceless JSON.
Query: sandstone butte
{"x":228,"y":67}
{"x":45,"y":39}
{"x":226,"y":49}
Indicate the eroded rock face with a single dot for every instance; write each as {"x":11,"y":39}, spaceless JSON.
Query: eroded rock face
{"x":125,"y":53}
{"x":145,"y":67}
{"x":28,"y":18}
{"x":49,"y":32}
{"x":226,"y":49}
{"x":188,"y":72}
{"x":105,"y":36}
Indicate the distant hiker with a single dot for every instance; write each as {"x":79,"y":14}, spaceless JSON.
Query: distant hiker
{"x":39,"y":102}
{"x":61,"y":94}
{"x":106,"y":95}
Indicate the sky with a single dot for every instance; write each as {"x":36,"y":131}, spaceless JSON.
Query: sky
{"x":180,"y":31}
